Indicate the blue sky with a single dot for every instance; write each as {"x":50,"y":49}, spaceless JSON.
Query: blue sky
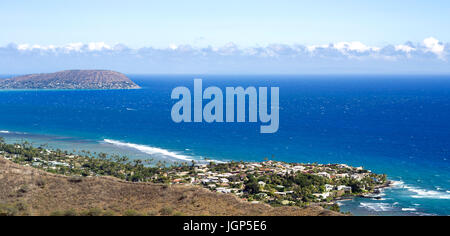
{"x":205,"y":22}
{"x":378,"y":34}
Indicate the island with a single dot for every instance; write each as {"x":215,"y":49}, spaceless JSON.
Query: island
{"x":287,"y":188}
{"x":70,"y":79}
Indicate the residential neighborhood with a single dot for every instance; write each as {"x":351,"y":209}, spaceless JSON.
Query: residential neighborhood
{"x":272,"y":182}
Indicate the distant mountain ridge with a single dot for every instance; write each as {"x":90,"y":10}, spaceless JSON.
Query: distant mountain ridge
{"x":71,"y":79}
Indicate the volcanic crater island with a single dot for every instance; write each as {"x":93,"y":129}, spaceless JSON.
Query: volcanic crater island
{"x":71,"y":79}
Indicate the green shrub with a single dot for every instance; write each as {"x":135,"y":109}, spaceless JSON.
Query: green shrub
{"x":131,"y":213}
{"x":70,"y":212}
{"x":178,"y":213}
{"x":166,"y":211}
{"x":57,"y":213}
{"x":92,"y":212}
{"x":109,"y":213}
{"x":152,"y":213}
{"x":7,"y":210}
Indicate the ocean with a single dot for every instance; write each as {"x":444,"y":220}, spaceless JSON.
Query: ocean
{"x":398,"y":125}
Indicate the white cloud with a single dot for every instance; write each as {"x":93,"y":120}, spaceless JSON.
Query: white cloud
{"x":354,"y":46}
{"x":173,"y":46}
{"x":433,"y":45}
{"x":334,"y":51}
{"x":27,"y":47}
{"x":405,"y":48}
{"x":99,"y":46}
{"x":312,"y":48}
{"x":73,"y":47}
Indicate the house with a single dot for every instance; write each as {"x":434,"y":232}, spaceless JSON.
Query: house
{"x":357,"y":177}
{"x":324,"y":174}
{"x":56,"y":163}
{"x":322,"y":195}
{"x":223,"y":190}
{"x":344,"y":166}
{"x":212,"y":186}
{"x":329,"y":187}
{"x":342,"y":175}
{"x":345,"y":188}
{"x":177,"y":180}
{"x":340,"y":187}
{"x":262,"y":195}
{"x":285,"y":202}
{"x":184,"y":173}
{"x":298,"y":168}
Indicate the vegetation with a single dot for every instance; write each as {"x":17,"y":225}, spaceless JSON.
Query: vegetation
{"x":276,"y":183}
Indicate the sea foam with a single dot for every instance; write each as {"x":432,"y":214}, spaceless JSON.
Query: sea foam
{"x":409,"y":209}
{"x":150,"y":150}
{"x":422,"y":193}
{"x":4,"y":132}
{"x":430,"y":194}
{"x":377,"y":206}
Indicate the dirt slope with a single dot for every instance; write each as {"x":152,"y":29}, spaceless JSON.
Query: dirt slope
{"x":35,"y":192}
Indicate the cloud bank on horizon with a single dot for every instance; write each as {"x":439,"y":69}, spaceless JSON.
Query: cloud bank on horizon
{"x":427,"y":57}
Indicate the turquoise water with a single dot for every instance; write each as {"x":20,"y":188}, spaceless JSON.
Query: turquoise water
{"x":396,"y":125}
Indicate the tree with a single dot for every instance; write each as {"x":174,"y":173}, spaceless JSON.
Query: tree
{"x":251,"y":185}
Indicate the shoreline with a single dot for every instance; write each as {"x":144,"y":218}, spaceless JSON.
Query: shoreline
{"x":254,"y":182}
{"x":367,"y":207}
{"x":388,"y":184}
{"x":62,"y":89}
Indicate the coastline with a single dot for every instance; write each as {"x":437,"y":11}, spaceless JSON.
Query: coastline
{"x":373,"y":195}
{"x":62,"y":89}
{"x":255,"y":182}
{"x":398,"y":198}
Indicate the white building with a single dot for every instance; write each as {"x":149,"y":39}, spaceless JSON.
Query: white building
{"x":223,"y":190}
{"x":345,"y":188}
{"x":322,"y":195}
{"x":329,"y":187}
{"x":324,"y":174}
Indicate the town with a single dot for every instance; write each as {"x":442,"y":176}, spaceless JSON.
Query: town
{"x":272,"y":182}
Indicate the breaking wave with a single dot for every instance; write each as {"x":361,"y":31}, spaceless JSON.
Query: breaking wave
{"x":377,"y":206}
{"x":423,"y":193}
{"x":150,"y":150}
{"x":409,"y":209}
{"x":430,"y":194}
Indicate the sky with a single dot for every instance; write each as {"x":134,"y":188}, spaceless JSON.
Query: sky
{"x":37,"y":29}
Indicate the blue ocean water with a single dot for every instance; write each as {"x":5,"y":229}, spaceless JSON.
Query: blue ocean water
{"x":398,"y":125}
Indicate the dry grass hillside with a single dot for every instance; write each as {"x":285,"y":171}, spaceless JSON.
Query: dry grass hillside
{"x":29,"y":191}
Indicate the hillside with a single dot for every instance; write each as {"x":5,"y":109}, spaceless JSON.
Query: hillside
{"x":29,"y":191}
{"x":71,"y":79}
